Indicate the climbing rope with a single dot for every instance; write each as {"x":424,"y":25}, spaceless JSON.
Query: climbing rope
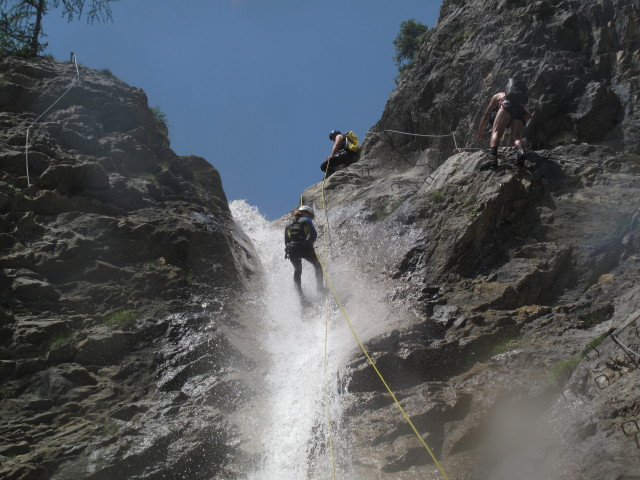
{"x":362,"y":347}
{"x":412,"y":134}
{"x":26,"y":145}
{"x":456,"y":149}
{"x":373,"y":365}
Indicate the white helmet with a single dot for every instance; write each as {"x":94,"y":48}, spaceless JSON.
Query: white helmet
{"x":304,"y":208}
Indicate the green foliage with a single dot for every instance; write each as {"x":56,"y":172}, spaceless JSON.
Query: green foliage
{"x":506,"y":345}
{"x":436,"y":196}
{"x":383,"y":211}
{"x":469,"y":202}
{"x":160,"y":117}
{"x":159,"y":114}
{"x":407,"y":43}
{"x":597,"y":341}
{"x":561,"y":371}
{"x":123,"y":320}
{"x":21,"y":21}
{"x":60,"y":340}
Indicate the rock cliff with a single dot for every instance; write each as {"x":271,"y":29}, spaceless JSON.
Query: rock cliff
{"x":118,"y":264}
{"x":519,"y":286}
{"x":516,"y":344}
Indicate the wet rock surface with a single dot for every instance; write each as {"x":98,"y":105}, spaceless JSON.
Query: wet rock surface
{"x":520,"y":282}
{"x":520,"y":352}
{"x":117,"y":266}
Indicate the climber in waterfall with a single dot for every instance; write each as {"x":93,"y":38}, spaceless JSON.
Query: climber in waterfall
{"x":506,"y":109}
{"x":341,"y":154}
{"x":299,"y":237}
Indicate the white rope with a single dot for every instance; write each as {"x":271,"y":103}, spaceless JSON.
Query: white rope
{"x":414,"y":134}
{"x":452,"y":135}
{"x":26,"y":145}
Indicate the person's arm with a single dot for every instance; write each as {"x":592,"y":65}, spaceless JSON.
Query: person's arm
{"x":313,"y":234}
{"x":485,"y":118}
{"x":336,"y":144}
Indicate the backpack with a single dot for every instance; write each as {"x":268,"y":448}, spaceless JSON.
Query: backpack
{"x":352,"y":141}
{"x":296,"y":233}
{"x":517,"y":91}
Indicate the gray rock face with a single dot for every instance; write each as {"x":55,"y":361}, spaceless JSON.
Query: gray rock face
{"x":516,"y":288}
{"x":516,"y":276}
{"x":523,"y":359}
{"x":105,"y":262}
{"x":579,"y":59}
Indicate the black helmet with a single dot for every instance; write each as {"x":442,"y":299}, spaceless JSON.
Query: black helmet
{"x":333,"y":133}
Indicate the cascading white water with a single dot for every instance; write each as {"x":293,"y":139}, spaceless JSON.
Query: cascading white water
{"x":300,"y":385}
{"x":300,"y":397}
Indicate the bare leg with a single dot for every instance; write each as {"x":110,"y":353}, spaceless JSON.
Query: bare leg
{"x":516,"y":132}
{"x":502,"y":121}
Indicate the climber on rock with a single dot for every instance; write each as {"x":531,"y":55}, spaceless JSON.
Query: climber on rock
{"x":506,"y":109}
{"x":342,"y":155}
{"x":299,"y":237}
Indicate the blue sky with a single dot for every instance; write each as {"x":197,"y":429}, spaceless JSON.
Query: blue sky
{"x":253,"y":86}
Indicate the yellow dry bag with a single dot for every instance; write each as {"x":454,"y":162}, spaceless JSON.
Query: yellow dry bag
{"x":352,"y":141}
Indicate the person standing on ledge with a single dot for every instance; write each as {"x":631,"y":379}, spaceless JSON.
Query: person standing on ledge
{"x":510,"y":111}
{"x":299,"y":237}
{"x":341,"y":156}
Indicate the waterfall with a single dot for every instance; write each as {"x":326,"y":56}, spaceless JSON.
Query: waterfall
{"x":300,"y":395}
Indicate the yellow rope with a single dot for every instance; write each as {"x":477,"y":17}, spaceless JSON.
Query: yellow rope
{"x":370,"y":360}
{"x":362,"y":347}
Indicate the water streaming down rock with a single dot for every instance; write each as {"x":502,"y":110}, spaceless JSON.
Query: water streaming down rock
{"x":545,"y":259}
{"x":290,"y":418}
{"x":301,"y":395}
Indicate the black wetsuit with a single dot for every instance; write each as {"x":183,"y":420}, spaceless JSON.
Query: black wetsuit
{"x":298,"y":239}
{"x":514,"y":107}
{"x":343,"y":157}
